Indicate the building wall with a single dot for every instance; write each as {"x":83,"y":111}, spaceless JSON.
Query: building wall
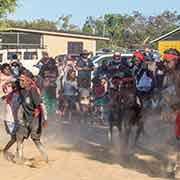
{"x":163,"y":45}
{"x":56,"y":45}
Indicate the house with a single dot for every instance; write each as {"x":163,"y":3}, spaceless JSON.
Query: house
{"x":54,"y":42}
{"x":169,"y":40}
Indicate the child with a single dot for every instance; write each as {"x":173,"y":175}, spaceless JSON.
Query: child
{"x":34,"y":116}
{"x":12,"y":106}
{"x":100,"y":88}
{"x":84,"y":96}
{"x":60,"y":104}
{"x":70,"y":90}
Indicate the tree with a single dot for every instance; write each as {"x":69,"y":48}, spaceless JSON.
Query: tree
{"x":36,"y":24}
{"x":114,"y":28}
{"x":89,"y":26}
{"x":7,"y":6}
{"x":63,"y":23}
{"x":162,"y":23}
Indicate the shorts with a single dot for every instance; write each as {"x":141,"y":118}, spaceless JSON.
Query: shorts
{"x":32,"y":128}
{"x":71,"y":100}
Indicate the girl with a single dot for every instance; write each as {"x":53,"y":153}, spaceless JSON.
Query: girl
{"x":70,"y":90}
{"x":13,"y":101}
{"x":100,"y":88}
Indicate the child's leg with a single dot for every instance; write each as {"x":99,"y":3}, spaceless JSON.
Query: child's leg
{"x":78,"y":107}
{"x":9,"y":144}
{"x":20,"y":149}
{"x":36,"y":131}
{"x":41,"y":149}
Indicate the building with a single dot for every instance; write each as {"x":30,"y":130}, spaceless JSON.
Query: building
{"x":169,"y":40}
{"x":54,"y":42}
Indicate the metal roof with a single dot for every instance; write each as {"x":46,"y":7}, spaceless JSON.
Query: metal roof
{"x":165,"y":35}
{"x":57,"y":33}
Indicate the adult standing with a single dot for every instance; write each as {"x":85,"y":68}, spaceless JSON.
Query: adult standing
{"x":84,"y":67}
{"x":49,"y":74}
{"x":172,"y":63}
{"x":144,"y":79}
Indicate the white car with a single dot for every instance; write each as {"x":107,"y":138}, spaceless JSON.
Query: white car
{"x":108,"y":58}
{"x":28,"y":57}
{"x":97,"y":60}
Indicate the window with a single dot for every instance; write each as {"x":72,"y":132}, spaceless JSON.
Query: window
{"x":75,"y":47}
{"x":30,"y":55}
{"x":105,"y":59}
{"x":1,"y":58}
{"x":11,"y":54}
{"x":126,"y":58}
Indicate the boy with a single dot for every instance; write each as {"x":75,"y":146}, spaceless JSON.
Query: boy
{"x":34,"y":116}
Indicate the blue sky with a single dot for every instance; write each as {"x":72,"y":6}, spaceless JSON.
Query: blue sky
{"x":80,"y":9}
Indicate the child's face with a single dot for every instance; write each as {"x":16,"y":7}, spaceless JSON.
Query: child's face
{"x":7,"y":70}
{"x":170,"y":65}
{"x":24,"y":84}
{"x":73,"y":75}
{"x":103,"y":81}
{"x":8,"y":88}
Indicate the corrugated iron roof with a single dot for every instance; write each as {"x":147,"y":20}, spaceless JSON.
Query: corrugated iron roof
{"x":57,"y":33}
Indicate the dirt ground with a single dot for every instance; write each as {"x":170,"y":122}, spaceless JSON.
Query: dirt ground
{"x":82,"y":152}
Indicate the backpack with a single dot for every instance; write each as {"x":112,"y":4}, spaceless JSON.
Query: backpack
{"x":145,"y":83}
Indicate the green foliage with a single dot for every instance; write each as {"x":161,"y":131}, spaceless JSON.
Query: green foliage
{"x":124,"y":30}
{"x":7,"y":6}
{"x":36,"y":24}
{"x":63,"y":23}
{"x":131,"y":30}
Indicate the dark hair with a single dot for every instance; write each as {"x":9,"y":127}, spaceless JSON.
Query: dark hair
{"x":52,"y":61}
{"x":27,"y":73}
{"x":69,"y":73}
{"x":5,"y":65}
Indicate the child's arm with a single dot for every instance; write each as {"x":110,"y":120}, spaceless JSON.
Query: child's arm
{"x":44,"y":115}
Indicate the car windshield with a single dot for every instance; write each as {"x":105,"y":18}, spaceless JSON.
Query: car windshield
{"x":95,"y":57}
{"x":11,"y":54}
{"x":30,"y":55}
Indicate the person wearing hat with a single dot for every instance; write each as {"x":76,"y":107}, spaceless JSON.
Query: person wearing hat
{"x":171,"y":60}
{"x":116,"y":58}
{"x":115,"y":63}
{"x":84,"y":67}
{"x":144,"y":79}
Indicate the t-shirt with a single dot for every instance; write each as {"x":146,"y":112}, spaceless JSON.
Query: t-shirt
{"x":83,"y":63}
{"x":49,"y":76}
{"x":99,"y":91}
{"x":13,"y":102}
{"x":30,"y":101}
{"x":70,"y":88}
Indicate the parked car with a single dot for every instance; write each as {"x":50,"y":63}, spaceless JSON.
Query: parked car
{"x":97,"y":60}
{"x":108,"y":58}
{"x":104,"y":51}
{"x":28,"y":57}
